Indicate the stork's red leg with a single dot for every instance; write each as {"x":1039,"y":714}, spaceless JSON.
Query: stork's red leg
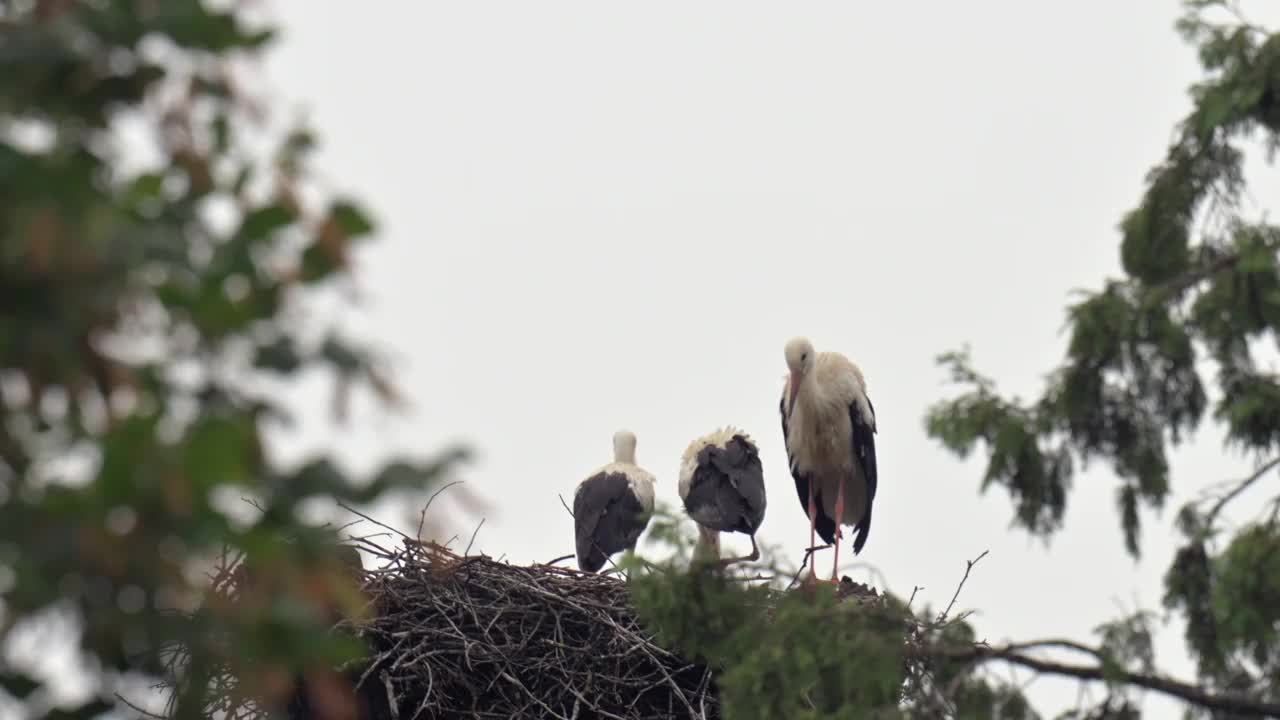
{"x":839,"y":519}
{"x":813,"y":536}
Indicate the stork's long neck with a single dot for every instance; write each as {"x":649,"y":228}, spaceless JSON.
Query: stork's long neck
{"x":624,"y":450}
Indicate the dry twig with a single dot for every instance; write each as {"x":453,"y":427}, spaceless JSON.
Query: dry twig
{"x":467,"y":636}
{"x":942,"y":617}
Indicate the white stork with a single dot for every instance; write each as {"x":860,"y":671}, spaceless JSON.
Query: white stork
{"x":612,"y":507}
{"x":829,"y":427}
{"x":722,"y":486}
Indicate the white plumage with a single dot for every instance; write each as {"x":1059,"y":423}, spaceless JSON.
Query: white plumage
{"x":612,"y":507}
{"x":829,"y":427}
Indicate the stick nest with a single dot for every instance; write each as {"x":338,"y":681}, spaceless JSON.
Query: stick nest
{"x":471,"y":637}
{"x":452,"y":636}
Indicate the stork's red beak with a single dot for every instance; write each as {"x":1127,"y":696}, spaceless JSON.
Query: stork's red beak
{"x":794,"y":386}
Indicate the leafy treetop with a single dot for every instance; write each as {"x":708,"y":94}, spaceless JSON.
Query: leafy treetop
{"x":1200,"y":297}
{"x":142,"y":339}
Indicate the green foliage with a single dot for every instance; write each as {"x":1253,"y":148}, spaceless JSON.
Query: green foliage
{"x":139,"y":340}
{"x":1111,"y":709}
{"x":1127,"y":642}
{"x":1189,"y":587}
{"x":1200,"y":297}
{"x":845,"y":660}
{"x":972,"y":695}
{"x":980,"y":698}
{"x":804,"y":652}
{"x":1034,"y":472}
{"x":1246,"y":597}
{"x":780,"y":655}
{"x":1130,"y":387}
{"x":1232,"y":601}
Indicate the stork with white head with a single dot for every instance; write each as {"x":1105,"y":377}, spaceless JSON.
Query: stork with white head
{"x":612,"y":507}
{"x":829,"y":427}
{"x":722,"y":486}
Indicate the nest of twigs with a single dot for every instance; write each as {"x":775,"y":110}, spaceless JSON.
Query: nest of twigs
{"x":453,"y":636}
{"x":471,"y":637}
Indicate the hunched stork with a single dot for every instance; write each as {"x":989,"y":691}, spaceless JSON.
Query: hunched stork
{"x":722,"y":486}
{"x":829,"y":427}
{"x":612,"y":507}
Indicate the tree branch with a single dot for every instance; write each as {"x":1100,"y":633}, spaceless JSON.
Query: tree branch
{"x":1190,"y":693}
{"x":1175,"y":287}
{"x":1239,"y":488}
{"x":1054,"y":643}
{"x":942,"y":617}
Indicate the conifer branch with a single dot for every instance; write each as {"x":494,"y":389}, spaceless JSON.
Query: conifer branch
{"x":1239,"y":488}
{"x":1014,"y":654}
{"x":1175,"y":287}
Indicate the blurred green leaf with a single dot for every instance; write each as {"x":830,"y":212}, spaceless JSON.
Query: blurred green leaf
{"x":220,"y":451}
{"x":346,"y":359}
{"x":263,"y":221}
{"x":352,"y":220}
{"x":281,"y":356}
{"x":317,"y":264}
{"x":128,"y":305}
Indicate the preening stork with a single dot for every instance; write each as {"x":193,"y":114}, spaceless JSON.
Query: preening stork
{"x":612,"y":507}
{"x":722,"y":486}
{"x":829,"y":427}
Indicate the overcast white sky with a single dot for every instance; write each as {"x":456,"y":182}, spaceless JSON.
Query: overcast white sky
{"x":605,"y":215}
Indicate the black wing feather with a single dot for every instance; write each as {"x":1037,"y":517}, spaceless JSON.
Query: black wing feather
{"x":726,"y":492}
{"x":607,"y":518}
{"x":864,"y":447}
{"x":825,"y":524}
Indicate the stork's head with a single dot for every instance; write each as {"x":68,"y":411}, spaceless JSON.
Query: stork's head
{"x":624,"y":446}
{"x":800,"y":361}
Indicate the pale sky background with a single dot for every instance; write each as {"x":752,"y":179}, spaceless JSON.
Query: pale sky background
{"x":597,"y":215}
